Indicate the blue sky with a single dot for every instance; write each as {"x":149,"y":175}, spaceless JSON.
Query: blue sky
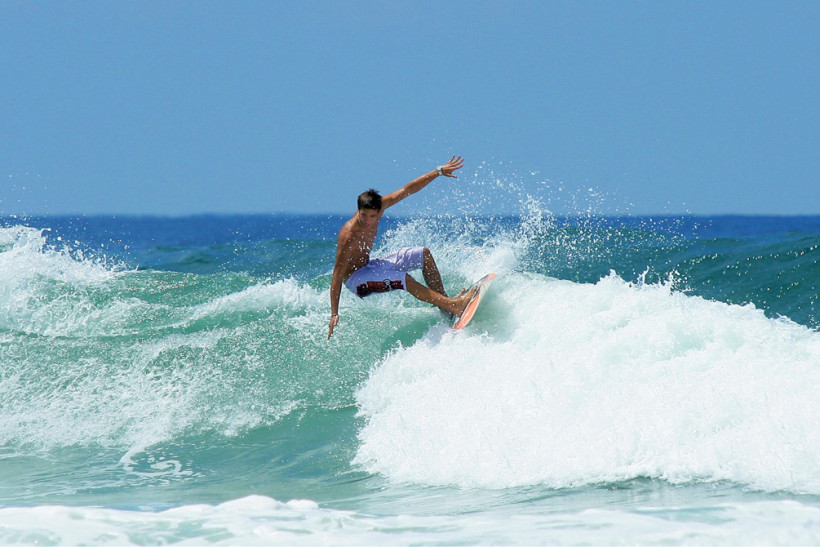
{"x":186,"y":107}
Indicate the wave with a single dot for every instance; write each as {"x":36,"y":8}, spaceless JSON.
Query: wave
{"x":94,"y":354}
{"x":558,"y":382}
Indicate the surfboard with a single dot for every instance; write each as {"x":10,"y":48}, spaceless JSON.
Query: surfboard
{"x":471,"y":308}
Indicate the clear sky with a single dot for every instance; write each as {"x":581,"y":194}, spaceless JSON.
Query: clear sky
{"x":185,"y":107}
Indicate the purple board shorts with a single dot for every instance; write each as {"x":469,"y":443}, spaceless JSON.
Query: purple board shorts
{"x":385,"y":273}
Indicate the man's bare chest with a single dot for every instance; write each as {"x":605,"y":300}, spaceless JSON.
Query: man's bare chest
{"x":362,"y":242}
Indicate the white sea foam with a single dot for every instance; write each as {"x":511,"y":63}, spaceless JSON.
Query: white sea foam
{"x":24,"y":253}
{"x":560,"y":383}
{"x":258,"y":520}
{"x":285,"y":294}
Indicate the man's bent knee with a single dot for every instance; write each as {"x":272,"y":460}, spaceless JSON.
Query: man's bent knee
{"x":428,"y":256}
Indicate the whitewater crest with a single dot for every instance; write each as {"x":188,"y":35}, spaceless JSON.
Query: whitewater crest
{"x":563,"y":384}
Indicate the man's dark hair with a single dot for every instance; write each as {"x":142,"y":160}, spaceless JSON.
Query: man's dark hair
{"x":370,"y":200}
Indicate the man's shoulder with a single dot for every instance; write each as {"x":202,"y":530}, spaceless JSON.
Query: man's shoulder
{"x":347,"y":231}
{"x":347,"y":227}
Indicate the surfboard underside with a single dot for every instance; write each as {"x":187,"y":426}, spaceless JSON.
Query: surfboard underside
{"x":471,"y":308}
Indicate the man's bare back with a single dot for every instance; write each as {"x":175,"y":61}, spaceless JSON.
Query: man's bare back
{"x":357,"y":236}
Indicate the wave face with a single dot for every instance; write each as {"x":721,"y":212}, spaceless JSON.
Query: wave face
{"x":96,"y":354}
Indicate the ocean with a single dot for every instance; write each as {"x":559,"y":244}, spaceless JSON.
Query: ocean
{"x":627,"y":380}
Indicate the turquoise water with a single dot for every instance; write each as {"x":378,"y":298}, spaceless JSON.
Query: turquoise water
{"x":627,"y":381}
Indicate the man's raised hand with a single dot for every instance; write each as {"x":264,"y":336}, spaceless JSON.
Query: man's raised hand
{"x":448,"y":168}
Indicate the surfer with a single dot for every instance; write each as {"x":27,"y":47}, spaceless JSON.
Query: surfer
{"x":364,"y":276}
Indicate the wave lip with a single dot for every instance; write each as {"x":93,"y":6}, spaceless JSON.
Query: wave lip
{"x":578,"y":384}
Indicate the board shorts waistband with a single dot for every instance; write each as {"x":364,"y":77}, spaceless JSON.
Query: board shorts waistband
{"x":385,"y":273}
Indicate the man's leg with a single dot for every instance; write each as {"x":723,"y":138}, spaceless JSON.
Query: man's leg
{"x":426,"y":294}
{"x":431,"y":274}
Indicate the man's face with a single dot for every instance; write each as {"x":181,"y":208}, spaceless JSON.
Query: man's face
{"x":369,"y":217}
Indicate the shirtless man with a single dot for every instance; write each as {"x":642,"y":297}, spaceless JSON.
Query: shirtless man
{"x":364,"y":276}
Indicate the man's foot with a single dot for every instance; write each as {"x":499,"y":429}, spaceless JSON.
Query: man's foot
{"x":464,"y":298}
{"x":424,"y":293}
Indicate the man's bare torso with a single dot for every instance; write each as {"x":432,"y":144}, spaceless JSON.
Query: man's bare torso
{"x":354,"y":245}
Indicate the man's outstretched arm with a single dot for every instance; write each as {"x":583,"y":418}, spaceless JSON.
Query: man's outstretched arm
{"x":411,"y":188}
{"x":335,"y":294}
{"x":342,"y":259}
